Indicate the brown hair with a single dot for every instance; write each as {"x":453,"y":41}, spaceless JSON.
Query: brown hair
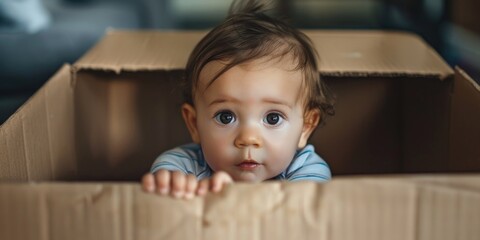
{"x":248,"y":34}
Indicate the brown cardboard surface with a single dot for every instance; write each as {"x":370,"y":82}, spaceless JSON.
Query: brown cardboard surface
{"x":425,"y":124}
{"x":141,"y":50}
{"x":398,"y":207}
{"x":345,"y":53}
{"x":366,"y":128}
{"x":376,"y":53}
{"x":126,"y":120}
{"x":38,"y":140}
{"x":465,"y":123}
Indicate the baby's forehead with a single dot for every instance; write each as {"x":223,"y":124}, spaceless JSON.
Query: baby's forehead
{"x":211,"y":70}
{"x":251,"y":72}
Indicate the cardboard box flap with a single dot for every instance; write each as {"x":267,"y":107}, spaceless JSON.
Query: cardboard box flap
{"x":37,"y":142}
{"x":465,"y":123}
{"x":141,"y":50}
{"x":377,"y":53}
{"x":396,"y":208}
{"x":342,"y":53}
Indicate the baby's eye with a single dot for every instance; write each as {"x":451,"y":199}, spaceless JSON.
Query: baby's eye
{"x":225,"y":117}
{"x":273,"y":119}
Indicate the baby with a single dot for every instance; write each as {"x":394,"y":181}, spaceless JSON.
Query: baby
{"x":253,"y":98}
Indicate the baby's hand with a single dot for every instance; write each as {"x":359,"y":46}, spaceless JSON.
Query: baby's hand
{"x":179,"y":185}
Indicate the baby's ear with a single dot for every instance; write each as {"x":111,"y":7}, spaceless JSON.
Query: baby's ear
{"x":310,"y":122}
{"x":190,"y":117}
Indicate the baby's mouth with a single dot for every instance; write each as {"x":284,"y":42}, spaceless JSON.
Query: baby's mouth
{"x":248,"y":165}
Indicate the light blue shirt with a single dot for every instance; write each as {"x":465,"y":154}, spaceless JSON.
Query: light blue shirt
{"x":306,"y":165}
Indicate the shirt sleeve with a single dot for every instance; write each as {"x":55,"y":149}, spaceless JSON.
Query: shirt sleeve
{"x":177,"y":159}
{"x":187,"y":159}
{"x":307,"y":165}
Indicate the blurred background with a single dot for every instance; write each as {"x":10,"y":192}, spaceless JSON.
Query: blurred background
{"x":38,"y":36}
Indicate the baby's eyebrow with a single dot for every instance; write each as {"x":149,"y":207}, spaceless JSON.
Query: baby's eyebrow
{"x":222,"y":100}
{"x":266,"y":100}
{"x":278,"y":102}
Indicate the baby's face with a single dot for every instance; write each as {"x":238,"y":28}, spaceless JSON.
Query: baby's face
{"x":250,"y":120}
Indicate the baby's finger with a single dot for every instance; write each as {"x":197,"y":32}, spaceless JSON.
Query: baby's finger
{"x":220,"y":179}
{"x":178,"y":184}
{"x":162,"y":179}
{"x":191,"y":186}
{"x":148,"y":183}
{"x":203,"y":186}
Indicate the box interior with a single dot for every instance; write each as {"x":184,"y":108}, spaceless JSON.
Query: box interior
{"x":382,"y":124}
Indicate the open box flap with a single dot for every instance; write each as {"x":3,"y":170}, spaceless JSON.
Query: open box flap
{"x":342,"y":53}
{"x":377,"y":53}
{"x":140,"y":50}
{"x":433,"y":207}
{"x":465,"y":123}
{"x":37,"y":141}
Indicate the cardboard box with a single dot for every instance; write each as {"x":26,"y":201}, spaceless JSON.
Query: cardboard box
{"x":66,"y":154}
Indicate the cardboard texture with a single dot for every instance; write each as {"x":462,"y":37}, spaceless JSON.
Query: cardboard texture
{"x":427,"y":207}
{"x":38,"y":141}
{"x":400,"y":109}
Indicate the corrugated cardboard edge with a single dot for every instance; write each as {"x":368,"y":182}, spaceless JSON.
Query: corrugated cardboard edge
{"x":37,"y":141}
{"x":399,"y":207}
{"x":402,"y":74}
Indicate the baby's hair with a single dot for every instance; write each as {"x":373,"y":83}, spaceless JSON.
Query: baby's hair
{"x":248,"y":33}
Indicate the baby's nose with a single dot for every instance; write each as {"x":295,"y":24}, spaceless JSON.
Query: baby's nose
{"x":248,"y":137}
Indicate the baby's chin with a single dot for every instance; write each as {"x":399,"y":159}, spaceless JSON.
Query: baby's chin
{"x":249,"y":177}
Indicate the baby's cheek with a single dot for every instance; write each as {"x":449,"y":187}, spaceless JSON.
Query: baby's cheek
{"x":283,"y":140}
{"x":284,"y":145}
{"x":218,"y":154}
{"x":285,"y":158}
